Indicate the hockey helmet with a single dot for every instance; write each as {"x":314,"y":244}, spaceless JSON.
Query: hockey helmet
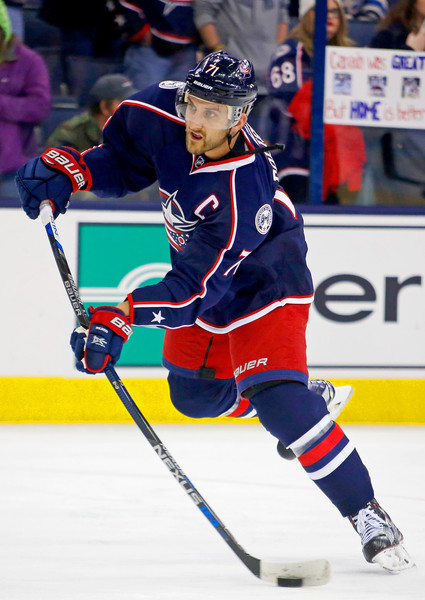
{"x":220,"y":79}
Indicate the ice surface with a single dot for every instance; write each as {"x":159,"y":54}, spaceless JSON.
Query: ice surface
{"x":89,"y":512}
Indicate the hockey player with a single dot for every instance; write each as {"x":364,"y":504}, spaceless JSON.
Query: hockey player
{"x":235,"y":302}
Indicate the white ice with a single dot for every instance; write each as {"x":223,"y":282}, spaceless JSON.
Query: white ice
{"x":90,"y":512}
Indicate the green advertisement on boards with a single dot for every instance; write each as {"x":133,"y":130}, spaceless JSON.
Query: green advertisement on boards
{"x":116,"y":258}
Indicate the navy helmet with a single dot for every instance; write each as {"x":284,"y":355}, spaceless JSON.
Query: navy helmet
{"x":221,"y":79}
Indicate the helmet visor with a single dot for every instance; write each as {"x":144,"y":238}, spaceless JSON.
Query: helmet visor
{"x":210,"y":115}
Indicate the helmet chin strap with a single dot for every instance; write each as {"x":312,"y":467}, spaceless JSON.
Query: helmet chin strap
{"x":230,"y":137}
{"x":259,"y":150}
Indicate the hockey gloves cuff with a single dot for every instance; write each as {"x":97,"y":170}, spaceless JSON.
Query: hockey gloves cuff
{"x":53,"y":176}
{"x":102,"y":344}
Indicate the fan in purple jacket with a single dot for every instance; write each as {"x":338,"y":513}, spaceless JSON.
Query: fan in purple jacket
{"x":24,"y":98}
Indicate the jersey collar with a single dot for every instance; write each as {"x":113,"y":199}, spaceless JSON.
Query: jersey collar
{"x":203,"y":164}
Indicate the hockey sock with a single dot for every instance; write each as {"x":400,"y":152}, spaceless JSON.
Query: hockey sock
{"x":299,"y":418}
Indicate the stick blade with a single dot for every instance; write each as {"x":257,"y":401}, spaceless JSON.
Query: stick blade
{"x":308,"y":573}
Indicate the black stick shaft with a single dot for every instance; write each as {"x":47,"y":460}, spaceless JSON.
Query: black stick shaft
{"x":252,"y":563}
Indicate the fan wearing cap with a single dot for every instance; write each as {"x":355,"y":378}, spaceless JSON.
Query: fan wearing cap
{"x":85,"y":130}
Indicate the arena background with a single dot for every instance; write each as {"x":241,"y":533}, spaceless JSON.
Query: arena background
{"x":366,"y":326}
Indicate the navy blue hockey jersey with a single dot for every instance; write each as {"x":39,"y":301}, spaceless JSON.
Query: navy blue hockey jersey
{"x":236,"y":241}
{"x":171,"y":20}
{"x":290,"y":67}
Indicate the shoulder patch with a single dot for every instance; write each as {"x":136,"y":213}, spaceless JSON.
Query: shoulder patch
{"x":282,"y":50}
{"x":170,"y":85}
{"x":263,"y":219}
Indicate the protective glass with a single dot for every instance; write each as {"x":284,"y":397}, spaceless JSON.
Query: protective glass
{"x":208,"y":114}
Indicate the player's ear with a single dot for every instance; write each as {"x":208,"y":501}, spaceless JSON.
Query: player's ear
{"x":236,"y":128}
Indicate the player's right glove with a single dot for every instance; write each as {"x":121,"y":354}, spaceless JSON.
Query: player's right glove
{"x":53,"y":176}
{"x":102,"y":344}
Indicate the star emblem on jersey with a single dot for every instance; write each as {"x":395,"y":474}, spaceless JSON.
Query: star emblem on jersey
{"x":264,"y":218}
{"x":157,"y":317}
{"x":176,"y":224}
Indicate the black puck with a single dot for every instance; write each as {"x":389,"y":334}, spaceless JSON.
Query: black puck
{"x":288,"y":582}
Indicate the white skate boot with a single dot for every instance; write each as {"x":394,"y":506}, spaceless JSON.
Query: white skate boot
{"x":381,"y":540}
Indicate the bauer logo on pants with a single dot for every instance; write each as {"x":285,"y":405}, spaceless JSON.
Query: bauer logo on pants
{"x":252,"y":364}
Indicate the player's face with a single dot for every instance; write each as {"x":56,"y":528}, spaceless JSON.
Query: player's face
{"x":206,"y":128}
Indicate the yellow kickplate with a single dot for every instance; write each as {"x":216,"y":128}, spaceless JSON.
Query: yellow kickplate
{"x":93,"y":400}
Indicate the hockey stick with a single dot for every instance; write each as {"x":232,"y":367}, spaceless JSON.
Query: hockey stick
{"x":315,"y":572}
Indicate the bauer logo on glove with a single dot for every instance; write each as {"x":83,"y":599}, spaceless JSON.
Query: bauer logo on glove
{"x":63,"y":161}
{"x":53,"y":176}
{"x":102,"y":344}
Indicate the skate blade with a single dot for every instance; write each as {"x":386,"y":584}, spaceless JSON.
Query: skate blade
{"x":342,"y":396}
{"x":394,"y":559}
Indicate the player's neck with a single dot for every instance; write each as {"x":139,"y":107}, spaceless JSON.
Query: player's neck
{"x":227,"y":150}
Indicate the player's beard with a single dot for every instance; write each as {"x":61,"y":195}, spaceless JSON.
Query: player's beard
{"x":207,"y":141}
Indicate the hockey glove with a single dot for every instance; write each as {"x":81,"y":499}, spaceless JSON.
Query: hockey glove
{"x":102,"y":344}
{"x":53,"y":176}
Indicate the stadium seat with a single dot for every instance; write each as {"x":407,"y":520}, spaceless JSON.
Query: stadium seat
{"x":37,"y":32}
{"x":53,"y":58}
{"x":361,"y":32}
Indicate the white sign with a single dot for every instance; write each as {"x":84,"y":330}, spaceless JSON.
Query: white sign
{"x":369,"y":277}
{"x":375,"y":88}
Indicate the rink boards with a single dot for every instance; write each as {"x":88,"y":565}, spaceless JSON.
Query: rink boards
{"x":93,"y":400}
{"x":366,"y":326}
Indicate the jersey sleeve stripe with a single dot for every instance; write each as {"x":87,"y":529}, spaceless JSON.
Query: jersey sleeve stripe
{"x":299,"y":65}
{"x":283,"y":198}
{"x":172,"y":37}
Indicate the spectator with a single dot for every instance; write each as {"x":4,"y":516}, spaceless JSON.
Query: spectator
{"x":168,"y":49}
{"x":292,"y":62}
{"x":24,"y":101}
{"x":289,"y":82}
{"x":402,"y":28}
{"x":249,"y":29}
{"x":85,"y":131}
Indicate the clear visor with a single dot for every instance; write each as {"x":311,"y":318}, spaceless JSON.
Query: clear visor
{"x":208,"y":114}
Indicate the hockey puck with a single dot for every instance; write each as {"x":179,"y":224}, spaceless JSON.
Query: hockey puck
{"x":287,"y":582}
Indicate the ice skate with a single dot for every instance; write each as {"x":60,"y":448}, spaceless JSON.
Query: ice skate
{"x":381,"y":540}
{"x":336,"y":399}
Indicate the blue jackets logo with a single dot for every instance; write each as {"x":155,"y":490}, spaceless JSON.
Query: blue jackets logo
{"x":176,"y":224}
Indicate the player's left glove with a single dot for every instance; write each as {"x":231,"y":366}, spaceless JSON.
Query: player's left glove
{"x":102,"y":344}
